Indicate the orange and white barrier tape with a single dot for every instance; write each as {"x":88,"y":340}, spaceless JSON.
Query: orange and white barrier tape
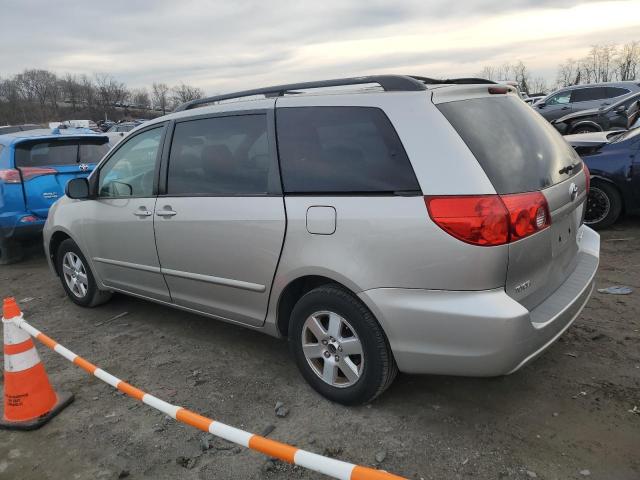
{"x":318,"y":463}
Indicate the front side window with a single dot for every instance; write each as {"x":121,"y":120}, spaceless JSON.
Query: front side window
{"x":559,"y":99}
{"x":222,"y":156}
{"x":130,"y":171}
{"x":343,"y":150}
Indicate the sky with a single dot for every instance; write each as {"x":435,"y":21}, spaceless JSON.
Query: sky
{"x":230,"y":45}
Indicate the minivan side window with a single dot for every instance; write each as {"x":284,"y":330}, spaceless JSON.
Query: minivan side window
{"x":342,"y":150}
{"x":130,"y":171}
{"x":226,"y":155}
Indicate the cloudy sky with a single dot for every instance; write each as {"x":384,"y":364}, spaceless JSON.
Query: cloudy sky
{"x":220,"y":46}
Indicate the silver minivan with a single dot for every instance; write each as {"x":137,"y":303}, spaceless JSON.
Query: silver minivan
{"x":379,"y":223}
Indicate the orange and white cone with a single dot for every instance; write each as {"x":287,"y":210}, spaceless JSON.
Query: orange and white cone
{"x":29,"y":399}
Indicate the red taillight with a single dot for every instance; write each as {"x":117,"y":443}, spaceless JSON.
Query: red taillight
{"x":587,"y":176}
{"x":528,"y":214}
{"x":13,"y":175}
{"x":479,"y":220}
{"x":498,"y":90}
{"x":10,"y":176}
{"x":490,"y":220}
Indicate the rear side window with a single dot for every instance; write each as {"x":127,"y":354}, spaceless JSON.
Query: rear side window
{"x":517,"y":148}
{"x":222,"y":156}
{"x":60,"y":152}
{"x":615,"y":91}
{"x":341,"y":149}
{"x":590,"y":93}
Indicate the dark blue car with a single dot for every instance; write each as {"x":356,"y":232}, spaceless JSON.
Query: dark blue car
{"x":614,"y":162}
{"x":35,"y":167}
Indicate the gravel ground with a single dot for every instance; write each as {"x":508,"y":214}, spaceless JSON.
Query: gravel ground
{"x":565,"y":416}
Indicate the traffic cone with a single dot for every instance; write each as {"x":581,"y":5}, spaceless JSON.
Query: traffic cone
{"x":29,"y":399}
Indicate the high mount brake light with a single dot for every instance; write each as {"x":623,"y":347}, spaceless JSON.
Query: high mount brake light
{"x":490,"y":220}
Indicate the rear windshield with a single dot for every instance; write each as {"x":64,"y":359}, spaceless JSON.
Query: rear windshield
{"x":61,"y":152}
{"x":517,"y":148}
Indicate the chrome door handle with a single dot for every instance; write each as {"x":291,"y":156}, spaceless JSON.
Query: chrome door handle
{"x":166,"y":213}
{"x":142,"y":213}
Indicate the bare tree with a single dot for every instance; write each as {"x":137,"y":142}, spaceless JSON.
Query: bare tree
{"x":538,"y":85}
{"x":160,"y":94}
{"x":628,"y":61}
{"x":185,"y":93}
{"x":567,"y":72}
{"x":140,"y":98}
{"x":488,"y":72}
{"x":521,"y":75}
{"x":110,"y":91}
{"x":39,"y":85}
{"x":71,"y":90}
{"x":598,"y":65}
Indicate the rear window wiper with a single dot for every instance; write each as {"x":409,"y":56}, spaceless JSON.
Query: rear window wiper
{"x":568,"y":168}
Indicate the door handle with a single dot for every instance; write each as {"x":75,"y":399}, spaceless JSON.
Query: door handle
{"x":564,"y":108}
{"x":167,"y":212}
{"x":142,"y":212}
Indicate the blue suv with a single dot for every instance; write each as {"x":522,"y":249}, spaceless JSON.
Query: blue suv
{"x":35,"y":167}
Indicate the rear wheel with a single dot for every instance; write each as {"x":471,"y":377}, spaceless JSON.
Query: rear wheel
{"x":76,"y":276}
{"x":604,"y":205}
{"x":339,"y":347}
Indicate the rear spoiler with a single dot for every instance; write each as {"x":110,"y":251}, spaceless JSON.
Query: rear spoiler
{"x":453,"y":93}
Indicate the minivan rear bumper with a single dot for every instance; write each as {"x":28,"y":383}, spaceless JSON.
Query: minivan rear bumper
{"x":480,"y":333}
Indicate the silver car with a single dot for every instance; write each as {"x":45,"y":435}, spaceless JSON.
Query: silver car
{"x":379,"y":223}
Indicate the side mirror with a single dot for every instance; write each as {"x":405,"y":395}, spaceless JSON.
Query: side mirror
{"x":77,"y":188}
{"x":540,"y":104}
{"x":621,"y":109}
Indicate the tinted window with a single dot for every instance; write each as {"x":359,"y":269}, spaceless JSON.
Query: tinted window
{"x":517,"y":148}
{"x":60,"y":152}
{"x":559,"y":99}
{"x":222,"y":156}
{"x":341,"y":149}
{"x":587,"y":94}
{"x":130,"y":170}
{"x":615,"y":91}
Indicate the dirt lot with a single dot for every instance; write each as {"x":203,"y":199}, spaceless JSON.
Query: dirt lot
{"x":565,"y":416}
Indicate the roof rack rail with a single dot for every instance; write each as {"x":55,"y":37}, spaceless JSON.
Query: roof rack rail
{"x":390,"y":83}
{"x":453,"y":81}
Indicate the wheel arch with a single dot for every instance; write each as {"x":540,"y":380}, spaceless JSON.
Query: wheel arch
{"x":595,"y":179}
{"x":56,"y":239}
{"x":293,"y":291}
{"x":585,"y":123}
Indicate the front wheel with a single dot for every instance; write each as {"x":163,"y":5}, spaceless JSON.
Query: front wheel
{"x":339,"y":347}
{"x":76,"y":276}
{"x":604,"y":205}
{"x":585,"y":129}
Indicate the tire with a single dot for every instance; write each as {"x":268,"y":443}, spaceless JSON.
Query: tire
{"x":10,"y":251}
{"x":604,"y":205}
{"x":84,"y":291}
{"x":375,"y":366}
{"x":585,"y":129}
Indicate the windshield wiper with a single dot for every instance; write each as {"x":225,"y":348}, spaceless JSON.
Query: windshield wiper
{"x":568,"y":168}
